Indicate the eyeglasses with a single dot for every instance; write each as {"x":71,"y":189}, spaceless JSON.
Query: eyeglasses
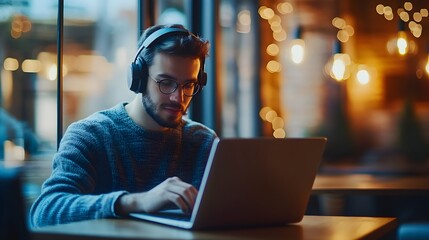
{"x":169,"y":86}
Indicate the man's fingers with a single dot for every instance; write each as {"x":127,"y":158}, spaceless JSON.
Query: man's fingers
{"x":178,"y":201}
{"x":184,"y":190}
{"x":187,"y":194}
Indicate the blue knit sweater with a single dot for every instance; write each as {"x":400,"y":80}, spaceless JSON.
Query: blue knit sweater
{"x":107,"y":155}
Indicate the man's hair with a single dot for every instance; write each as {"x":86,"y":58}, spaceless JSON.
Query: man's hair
{"x":179,"y":44}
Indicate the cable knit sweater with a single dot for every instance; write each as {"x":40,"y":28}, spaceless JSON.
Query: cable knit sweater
{"x":107,"y":155}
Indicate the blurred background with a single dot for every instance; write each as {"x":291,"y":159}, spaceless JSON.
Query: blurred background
{"x":354,"y":71}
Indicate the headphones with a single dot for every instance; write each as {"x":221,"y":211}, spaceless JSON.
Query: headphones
{"x":137,"y":81}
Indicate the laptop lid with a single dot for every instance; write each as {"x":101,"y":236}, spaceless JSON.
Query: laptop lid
{"x":253,"y":182}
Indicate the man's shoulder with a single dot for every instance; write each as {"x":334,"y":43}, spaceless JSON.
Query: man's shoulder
{"x":102,"y":118}
{"x":194,"y":127}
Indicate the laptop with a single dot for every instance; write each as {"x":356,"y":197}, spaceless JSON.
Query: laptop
{"x":251,"y":182}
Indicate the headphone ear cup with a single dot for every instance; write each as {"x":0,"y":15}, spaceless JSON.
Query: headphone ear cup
{"x":137,"y":82}
{"x":203,"y":79}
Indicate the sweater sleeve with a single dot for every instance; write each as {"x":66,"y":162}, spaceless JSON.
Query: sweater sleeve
{"x":69,"y":193}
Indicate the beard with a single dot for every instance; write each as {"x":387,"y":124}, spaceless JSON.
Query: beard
{"x":151,"y":109}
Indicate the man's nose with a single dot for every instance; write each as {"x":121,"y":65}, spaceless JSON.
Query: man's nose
{"x":177,"y":96}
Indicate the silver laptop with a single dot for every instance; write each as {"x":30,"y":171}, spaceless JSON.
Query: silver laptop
{"x":251,"y":183}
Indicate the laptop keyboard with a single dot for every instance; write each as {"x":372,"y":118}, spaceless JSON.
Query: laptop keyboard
{"x":176,"y":214}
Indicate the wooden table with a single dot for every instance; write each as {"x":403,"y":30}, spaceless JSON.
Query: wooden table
{"x":371,"y":184}
{"x":331,"y":190}
{"x":311,"y":227}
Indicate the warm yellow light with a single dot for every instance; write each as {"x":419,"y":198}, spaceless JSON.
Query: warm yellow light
{"x":277,"y":123}
{"x":276,"y":27}
{"x":350,"y":30}
{"x":363,"y":76}
{"x":343,"y":36}
{"x":17,"y":26}
{"x":31,"y":66}
{"x":417,"y":17}
{"x":388,"y":16}
{"x":408,"y":6}
{"x":273,"y":49}
{"x":10,"y":64}
{"x":52,"y":72}
{"x":424,"y":12}
{"x":244,"y":21}
{"x":388,"y":13}
{"x":415,"y":28}
{"x":284,"y":8}
{"x":7,"y":82}
{"x":13,"y":152}
{"x":427,"y":65}
{"x":46,"y":56}
{"x":279,"y":133}
{"x":14,"y":34}
{"x":263,"y":113}
{"x":401,"y":43}
{"x":280,"y":36}
{"x":261,"y":11}
{"x":244,"y":17}
{"x":387,"y":10}
{"x":26,"y":26}
{"x":275,"y":20}
{"x":411,"y":46}
{"x":297,"y":50}
{"x":338,"y":69}
{"x":266,"y":12}
{"x":65,"y":70}
{"x":339,"y":22}
{"x":271,"y":115}
{"x":404,"y":16}
{"x":273,"y":66}
{"x":380,"y":9}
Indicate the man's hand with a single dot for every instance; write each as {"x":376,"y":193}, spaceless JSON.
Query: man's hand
{"x":172,"y":190}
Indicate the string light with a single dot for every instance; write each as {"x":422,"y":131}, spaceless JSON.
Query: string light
{"x":274,"y":66}
{"x":10,"y":64}
{"x":277,"y":123}
{"x":402,"y":44}
{"x":297,"y":46}
{"x":362,"y":75}
{"x":427,"y":65}
{"x":345,"y":31}
{"x":297,"y":50}
{"x":338,"y":67}
{"x":408,"y":14}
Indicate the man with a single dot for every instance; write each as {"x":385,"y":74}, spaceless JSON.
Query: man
{"x":141,"y":156}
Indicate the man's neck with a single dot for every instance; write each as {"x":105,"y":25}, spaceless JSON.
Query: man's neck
{"x":139,"y":115}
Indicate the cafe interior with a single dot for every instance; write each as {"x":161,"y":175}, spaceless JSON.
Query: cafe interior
{"x":353,"y":71}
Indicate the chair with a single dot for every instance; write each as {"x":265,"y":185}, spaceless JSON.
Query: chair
{"x":13,"y":224}
{"x":414,"y":231}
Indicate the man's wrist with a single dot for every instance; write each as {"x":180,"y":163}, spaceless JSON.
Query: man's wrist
{"x":122,"y":205}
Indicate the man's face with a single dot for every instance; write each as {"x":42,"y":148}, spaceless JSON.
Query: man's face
{"x":167,"y":109}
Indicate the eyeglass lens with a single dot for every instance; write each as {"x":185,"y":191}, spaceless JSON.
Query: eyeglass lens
{"x":167,"y":86}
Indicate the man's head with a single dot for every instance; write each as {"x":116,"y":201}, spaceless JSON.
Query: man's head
{"x":170,"y":39}
{"x":169,"y":70}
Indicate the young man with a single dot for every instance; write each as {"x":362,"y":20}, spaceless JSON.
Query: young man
{"x":141,"y":156}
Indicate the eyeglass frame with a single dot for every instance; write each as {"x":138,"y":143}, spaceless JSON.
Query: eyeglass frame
{"x":197,"y":87}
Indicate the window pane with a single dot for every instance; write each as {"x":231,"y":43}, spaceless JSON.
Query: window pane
{"x":99,"y":44}
{"x":239,"y":79}
{"x":28,"y":90}
{"x":173,"y":12}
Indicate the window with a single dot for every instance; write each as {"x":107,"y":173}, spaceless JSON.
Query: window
{"x":96,"y":58}
{"x":28,"y":93}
